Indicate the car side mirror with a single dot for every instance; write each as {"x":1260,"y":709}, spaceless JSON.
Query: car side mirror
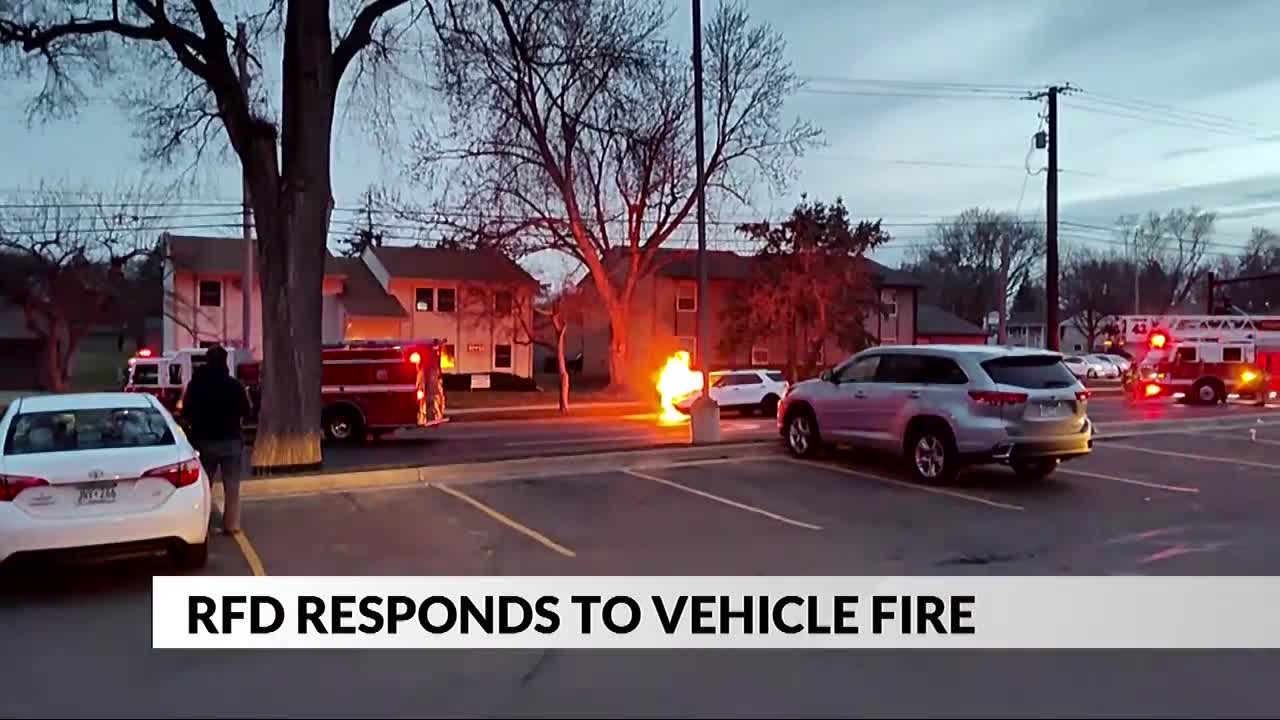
{"x":828,"y":376}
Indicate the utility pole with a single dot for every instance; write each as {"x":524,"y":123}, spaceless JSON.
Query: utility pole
{"x":1002,"y":290}
{"x":246,"y":279}
{"x":1052,"y":331}
{"x":705,"y":414}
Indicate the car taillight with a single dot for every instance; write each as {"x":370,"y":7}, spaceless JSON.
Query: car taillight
{"x":12,"y":485}
{"x":178,"y":474}
{"x":1082,"y":395}
{"x":996,"y":399}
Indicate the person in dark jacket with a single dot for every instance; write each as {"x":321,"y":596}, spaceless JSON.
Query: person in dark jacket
{"x":214,"y":407}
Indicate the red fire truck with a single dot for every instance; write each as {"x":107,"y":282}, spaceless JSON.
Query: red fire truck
{"x":1204,"y":359}
{"x":368,"y":389}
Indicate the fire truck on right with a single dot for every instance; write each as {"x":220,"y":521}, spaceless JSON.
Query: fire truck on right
{"x":1202,"y":359}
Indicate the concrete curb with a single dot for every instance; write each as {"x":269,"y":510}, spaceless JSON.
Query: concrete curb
{"x":497,"y":470}
{"x":1135,"y":428}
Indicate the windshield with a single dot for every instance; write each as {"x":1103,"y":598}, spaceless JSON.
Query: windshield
{"x":90,"y":429}
{"x":145,"y":374}
{"x":1034,"y":372}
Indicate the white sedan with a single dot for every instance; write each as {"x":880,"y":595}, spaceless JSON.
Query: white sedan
{"x":1086,"y":367}
{"x":1109,"y":365}
{"x":98,"y":470}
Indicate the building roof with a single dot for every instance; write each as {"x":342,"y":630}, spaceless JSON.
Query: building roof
{"x":728,"y":265}
{"x":450,"y":264}
{"x":933,"y":320}
{"x":362,"y":294}
{"x":221,"y":255}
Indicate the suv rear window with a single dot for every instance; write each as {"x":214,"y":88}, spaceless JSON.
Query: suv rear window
{"x":90,"y":429}
{"x":1034,"y":372}
{"x":776,"y":377}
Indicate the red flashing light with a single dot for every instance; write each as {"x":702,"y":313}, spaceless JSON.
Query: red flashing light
{"x":985,"y":397}
{"x":1158,"y":340}
{"x":179,"y":474}
{"x":1152,"y":390}
{"x":415,"y":358}
{"x":144,"y":352}
{"x":12,"y":485}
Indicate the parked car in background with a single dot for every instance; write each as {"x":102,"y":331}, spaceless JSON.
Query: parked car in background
{"x":1120,"y":361}
{"x":942,"y":407}
{"x":747,"y":391}
{"x":1111,"y":368}
{"x":83,"y":471}
{"x":1083,"y":367}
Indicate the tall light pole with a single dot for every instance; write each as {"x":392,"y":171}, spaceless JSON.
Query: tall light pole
{"x":704,"y":421}
{"x":246,"y":277}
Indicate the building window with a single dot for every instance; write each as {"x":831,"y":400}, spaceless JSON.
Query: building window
{"x":686,"y":298}
{"x":502,"y":302}
{"x":502,"y":356}
{"x":446,"y":300}
{"x":759,"y":355}
{"x":422,"y":299}
{"x":210,"y":293}
{"x":891,"y":309}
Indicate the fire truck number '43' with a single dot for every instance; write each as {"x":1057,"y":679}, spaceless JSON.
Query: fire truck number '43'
{"x":1204,"y":359}
{"x":367,"y":389}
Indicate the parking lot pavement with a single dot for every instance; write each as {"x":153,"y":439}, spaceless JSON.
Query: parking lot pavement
{"x":497,"y":440}
{"x":1195,"y":502}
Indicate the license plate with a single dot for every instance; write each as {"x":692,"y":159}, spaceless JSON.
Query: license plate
{"x":1052,"y":409}
{"x":97,"y":495}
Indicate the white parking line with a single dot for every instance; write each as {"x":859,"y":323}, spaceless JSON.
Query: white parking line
{"x":723,"y":500}
{"x":1223,"y":434}
{"x":909,"y":485}
{"x":1128,"y":481}
{"x":1189,"y":456}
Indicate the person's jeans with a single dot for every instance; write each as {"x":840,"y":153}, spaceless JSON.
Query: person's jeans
{"x":226,"y":457}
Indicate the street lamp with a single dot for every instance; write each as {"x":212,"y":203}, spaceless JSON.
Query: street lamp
{"x":704,"y":415}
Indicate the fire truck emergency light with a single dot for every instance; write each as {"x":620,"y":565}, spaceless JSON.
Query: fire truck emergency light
{"x":1152,"y":390}
{"x":415,"y":358}
{"x":144,"y":352}
{"x":1158,"y":340}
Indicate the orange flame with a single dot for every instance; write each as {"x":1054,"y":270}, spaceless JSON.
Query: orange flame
{"x":676,"y":380}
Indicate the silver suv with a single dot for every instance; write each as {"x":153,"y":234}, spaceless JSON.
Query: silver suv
{"x":945,"y":406}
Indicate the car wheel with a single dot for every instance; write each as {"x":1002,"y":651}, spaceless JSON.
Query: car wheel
{"x":1034,"y":469}
{"x":191,"y":557}
{"x":342,"y":425}
{"x":931,"y":455}
{"x":769,"y":406}
{"x":1208,"y":392}
{"x":803,"y":438}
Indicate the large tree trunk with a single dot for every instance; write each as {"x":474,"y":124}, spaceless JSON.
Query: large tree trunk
{"x":293,"y":222}
{"x":54,"y":375}
{"x":564,"y":369}
{"x":619,"y":329}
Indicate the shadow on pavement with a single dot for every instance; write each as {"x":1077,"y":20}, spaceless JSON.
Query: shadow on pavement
{"x":44,"y":579}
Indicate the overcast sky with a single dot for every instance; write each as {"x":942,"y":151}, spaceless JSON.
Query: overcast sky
{"x":909,"y":94}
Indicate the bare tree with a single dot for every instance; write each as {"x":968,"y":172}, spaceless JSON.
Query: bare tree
{"x":978,"y":260}
{"x":571,"y":124}
{"x":1095,"y":288}
{"x":63,"y":261}
{"x":554,"y":310}
{"x":1175,"y":244}
{"x":189,"y":85}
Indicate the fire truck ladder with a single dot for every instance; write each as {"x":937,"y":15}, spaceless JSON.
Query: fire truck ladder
{"x":1260,"y":330}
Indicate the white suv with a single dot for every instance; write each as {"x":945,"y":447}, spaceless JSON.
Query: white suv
{"x":941,"y":407}
{"x":744,"y":390}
